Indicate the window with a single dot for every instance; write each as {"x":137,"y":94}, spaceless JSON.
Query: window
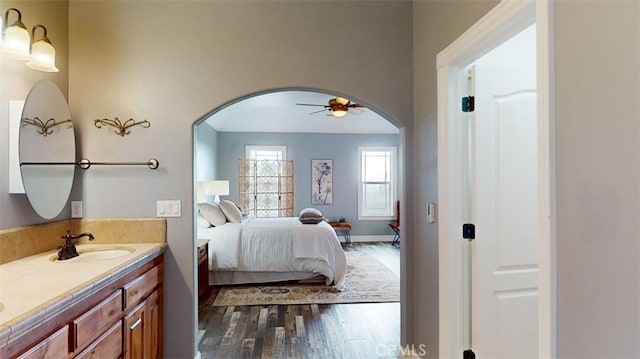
{"x":377,"y":187}
{"x":266,"y":182}
{"x":277,"y":153}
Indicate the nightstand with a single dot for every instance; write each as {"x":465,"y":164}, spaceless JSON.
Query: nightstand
{"x":203,"y":266}
{"x":343,"y":228}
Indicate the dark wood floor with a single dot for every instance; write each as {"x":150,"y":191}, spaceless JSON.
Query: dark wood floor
{"x":367,"y":330}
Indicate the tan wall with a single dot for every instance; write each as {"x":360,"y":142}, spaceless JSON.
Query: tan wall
{"x":172,"y":62}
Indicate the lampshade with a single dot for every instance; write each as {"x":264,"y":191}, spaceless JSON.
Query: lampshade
{"x":200,"y":192}
{"x":216,"y":188}
{"x":43,"y":55}
{"x":16,"y":38}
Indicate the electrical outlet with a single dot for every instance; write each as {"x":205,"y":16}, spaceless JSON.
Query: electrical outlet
{"x":76,"y":209}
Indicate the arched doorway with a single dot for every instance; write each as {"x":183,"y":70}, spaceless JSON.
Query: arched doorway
{"x":281,"y":116}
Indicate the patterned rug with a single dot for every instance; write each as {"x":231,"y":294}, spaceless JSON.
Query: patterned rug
{"x":367,"y":281}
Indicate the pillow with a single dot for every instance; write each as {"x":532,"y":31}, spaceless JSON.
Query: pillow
{"x":310,"y":216}
{"x":231,"y":211}
{"x":244,"y":214}
{"x":311,"y":220}
{"x":212,"y":213}
{"x":201,"y":222}
{"x":310,"y":210}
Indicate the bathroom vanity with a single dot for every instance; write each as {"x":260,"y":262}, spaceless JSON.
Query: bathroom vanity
{"x":105,"y":303}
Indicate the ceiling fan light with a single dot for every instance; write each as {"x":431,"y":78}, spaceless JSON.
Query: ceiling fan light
{"x":339,"y":113}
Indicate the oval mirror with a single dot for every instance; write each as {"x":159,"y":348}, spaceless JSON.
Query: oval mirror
{"x":47,"y":149}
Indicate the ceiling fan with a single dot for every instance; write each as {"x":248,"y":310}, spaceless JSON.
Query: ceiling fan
{"x":337,"y":106}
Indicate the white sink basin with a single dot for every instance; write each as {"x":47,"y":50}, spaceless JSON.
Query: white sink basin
{"x":97,"y":254}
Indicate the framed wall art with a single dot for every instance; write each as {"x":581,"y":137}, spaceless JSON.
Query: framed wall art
{"x":321,"y":181}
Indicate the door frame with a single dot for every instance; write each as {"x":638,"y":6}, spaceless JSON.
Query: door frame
{"x":497,"y":26}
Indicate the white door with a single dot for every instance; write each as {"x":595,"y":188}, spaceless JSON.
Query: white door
{"x":504,"y":255}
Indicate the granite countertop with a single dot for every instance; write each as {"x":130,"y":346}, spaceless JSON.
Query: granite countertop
{"x":35,"y":288}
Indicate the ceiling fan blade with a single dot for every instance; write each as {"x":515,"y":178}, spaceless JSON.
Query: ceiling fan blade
{"x":356,"y":105}
{"x":311,"y":113}
{"x":309,"y":104}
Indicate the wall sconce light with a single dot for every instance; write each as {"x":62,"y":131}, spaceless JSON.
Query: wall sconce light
{"x":43,"y":55}
{"x":16,"y":44}
{"x":16,"y":39}
{"x":216,"y":188}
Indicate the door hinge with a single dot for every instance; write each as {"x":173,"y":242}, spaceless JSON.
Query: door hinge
{"x":468,"y":104}
{"x":469,"y":231}
{"x":468,"y":354}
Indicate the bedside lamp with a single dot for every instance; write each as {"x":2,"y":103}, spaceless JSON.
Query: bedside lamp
{"x":216,"y":188}
{"x":200,"y":191}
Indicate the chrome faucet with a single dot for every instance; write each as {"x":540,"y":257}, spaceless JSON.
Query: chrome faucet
{"x":68,"y":250}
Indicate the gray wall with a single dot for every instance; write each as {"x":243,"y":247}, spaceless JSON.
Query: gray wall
{"x":127,"y":60}
{"x":16,"y":80}
{"x":436,"y":25}
{"x":598,"y":178}
{"x":206,"y":156}
{"x":302,"y":148}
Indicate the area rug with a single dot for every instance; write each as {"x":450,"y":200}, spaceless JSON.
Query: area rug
{"x":367,"y":281}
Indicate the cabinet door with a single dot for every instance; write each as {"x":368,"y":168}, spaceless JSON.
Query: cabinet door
{"x":154,"y":334}
{"x":134,"y":333}
{"x":55,"y":346}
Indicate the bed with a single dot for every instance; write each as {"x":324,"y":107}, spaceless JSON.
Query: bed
{"x":260,"y":250}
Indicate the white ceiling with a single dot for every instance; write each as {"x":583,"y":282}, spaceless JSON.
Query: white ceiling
{"x":278,"y":112}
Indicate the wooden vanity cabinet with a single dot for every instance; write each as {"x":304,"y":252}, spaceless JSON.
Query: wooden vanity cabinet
{"x":123,"y":320}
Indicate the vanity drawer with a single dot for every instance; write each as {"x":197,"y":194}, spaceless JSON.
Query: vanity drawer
{"x":54,"y":346}
{"x":109,"y":345}
{"x":86,"y":327}
{"x":141,"y":287}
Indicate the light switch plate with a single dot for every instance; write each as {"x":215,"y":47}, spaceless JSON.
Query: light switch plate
{"x":431,"y":212}
{"x":169,"y":208}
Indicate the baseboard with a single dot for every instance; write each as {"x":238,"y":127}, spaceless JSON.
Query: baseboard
{"x":369,"y":238}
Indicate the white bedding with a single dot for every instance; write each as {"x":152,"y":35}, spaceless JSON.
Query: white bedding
{"x":276,"y":245}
